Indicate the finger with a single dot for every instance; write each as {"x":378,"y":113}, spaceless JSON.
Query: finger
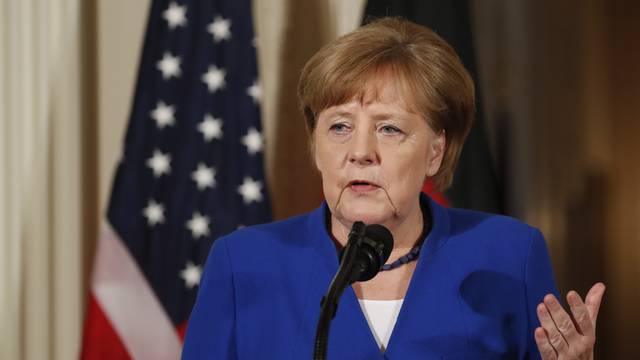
{"x":553,"y":334}
{"x":562,"y":320}
{"x":580,"y":314}
{"x":544,"y":346}
{"x":594,"y":299}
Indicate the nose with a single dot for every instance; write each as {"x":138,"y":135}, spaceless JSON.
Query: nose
{"x":364,"y":148}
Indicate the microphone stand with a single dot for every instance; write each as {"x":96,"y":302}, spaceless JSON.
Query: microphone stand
{"x":343,"y":277}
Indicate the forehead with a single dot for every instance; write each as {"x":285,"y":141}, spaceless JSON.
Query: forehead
{"x":382,"y":90}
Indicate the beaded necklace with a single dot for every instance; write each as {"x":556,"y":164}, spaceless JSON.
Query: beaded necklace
{"x":415,"y":250}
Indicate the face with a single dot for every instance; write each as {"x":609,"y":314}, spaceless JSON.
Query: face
{"x":374,"y":156}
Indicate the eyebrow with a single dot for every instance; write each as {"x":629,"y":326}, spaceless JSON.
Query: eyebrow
{"x":332,"y":114}
{"x":377,"y":116}
{"x":342,"y":113}
{"x":386,"y":115}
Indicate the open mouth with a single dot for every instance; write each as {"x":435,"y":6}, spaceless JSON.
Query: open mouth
{"x":362,"y":186}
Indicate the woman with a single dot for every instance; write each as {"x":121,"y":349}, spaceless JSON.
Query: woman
{"x":388,"y":107}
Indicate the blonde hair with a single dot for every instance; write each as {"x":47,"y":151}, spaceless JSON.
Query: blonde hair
{"x":429,"y":73}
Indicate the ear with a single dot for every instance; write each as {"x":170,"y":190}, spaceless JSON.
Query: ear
{"x":436,"y":153}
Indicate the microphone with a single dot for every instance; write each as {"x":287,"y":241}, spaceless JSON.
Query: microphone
{"x":368,"y":248}
{"x":372,"y":246}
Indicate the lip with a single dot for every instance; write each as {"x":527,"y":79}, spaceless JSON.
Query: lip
{"x":362,"y":186}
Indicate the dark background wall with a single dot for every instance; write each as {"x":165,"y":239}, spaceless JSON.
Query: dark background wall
{"x":561,"y":82}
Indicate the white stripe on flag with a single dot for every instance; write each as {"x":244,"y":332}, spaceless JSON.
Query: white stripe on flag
{"x":129,"y":302}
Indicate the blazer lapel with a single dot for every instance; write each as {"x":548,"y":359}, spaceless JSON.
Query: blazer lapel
{"x":350,"y":336}
{"x":430,"y":324}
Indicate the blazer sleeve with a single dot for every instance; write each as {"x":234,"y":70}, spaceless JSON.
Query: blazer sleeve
{"x":211,"y":329}
{"x":539,"y":282}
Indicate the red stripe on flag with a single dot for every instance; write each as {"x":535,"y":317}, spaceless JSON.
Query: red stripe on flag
{"x":100,"y":340}
{"x":182,"y":330}
{"x":439,"y":197}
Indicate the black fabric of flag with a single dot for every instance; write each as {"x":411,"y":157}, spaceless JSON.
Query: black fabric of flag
{"x":475,"y":184}
{"x":192,"y":168}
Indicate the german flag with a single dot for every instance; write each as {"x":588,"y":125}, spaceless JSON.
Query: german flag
{"x":475,"y":184}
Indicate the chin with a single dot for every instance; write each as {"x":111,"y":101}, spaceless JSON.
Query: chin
{"x":365,"y":211}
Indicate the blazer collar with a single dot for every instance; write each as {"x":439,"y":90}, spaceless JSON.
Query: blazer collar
{"x":350,"y":335}
{"x":436,"y":238}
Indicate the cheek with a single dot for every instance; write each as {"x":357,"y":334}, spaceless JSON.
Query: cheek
{"x":331,"y":185}
{"x":406,"y":171}
{"x":327,"y":162}
{"x":409,"y":178}
{"x":319,"y":151}
{"x":320,"y":157}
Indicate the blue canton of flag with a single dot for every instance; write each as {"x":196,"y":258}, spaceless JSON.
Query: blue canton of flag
{"x":192,"y":168}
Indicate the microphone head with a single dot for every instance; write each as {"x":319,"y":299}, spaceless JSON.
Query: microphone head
{"x":383,"y":237}
{"x":375,"y":249}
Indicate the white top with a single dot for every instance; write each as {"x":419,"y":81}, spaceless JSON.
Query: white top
{"x":381,"y":316}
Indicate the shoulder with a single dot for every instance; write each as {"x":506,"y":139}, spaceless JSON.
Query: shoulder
{"x":496,"y":244}
{"x":269,"y":233}
{"x":267,"y":242}
{"x":462,"y":220}
{"x":484,"y":232}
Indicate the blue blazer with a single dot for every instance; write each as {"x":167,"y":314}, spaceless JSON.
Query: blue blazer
{"x":473,"y":294}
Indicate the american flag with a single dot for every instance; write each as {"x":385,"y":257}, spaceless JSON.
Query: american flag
{"x":192,"y":171}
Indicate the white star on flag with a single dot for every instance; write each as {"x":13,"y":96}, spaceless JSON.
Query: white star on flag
{"x":199,"y":225}
{"x":163,"y":114}
{"x":169,"y":66}
{"x":250,"y":190}
{"x":154,"y":212}
{"x":253,"y":141}
{"x":175,"y":15}
{"x":191,"y":275}
{"x":211,"y":128}
{"x":185,"y":176}
{"x":204,"y":176}
{"x":219,"y":28}
{"x":159,"y":163}
{"x":214,"y":78}
{"x":255,"y":91}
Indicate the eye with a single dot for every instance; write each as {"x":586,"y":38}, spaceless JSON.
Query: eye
{"x":389,"y":130}
{"x":339,"y":128}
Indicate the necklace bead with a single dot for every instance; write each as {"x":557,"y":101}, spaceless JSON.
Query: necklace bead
{"x":404,"y":259}
{"x":414,"y":253}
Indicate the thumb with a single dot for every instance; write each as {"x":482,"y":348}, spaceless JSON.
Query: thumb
{"x":593,"y":300}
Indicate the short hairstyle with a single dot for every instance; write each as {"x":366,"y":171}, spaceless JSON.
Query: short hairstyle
{"x":430,"y":74}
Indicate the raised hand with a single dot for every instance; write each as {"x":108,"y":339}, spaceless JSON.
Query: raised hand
{"x":563,"y":336}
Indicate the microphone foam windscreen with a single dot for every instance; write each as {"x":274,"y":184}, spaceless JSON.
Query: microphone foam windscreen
{"x":382,"y":235}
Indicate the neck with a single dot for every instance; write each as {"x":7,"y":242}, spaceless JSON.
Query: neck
{"x":406,"y":231}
